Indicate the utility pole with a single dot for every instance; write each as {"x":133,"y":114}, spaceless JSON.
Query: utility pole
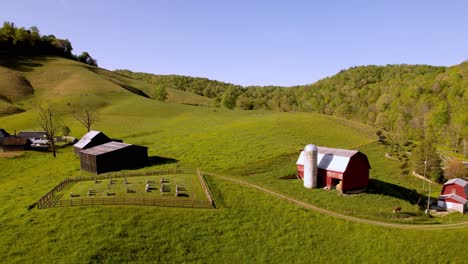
{"x":429,"y":189}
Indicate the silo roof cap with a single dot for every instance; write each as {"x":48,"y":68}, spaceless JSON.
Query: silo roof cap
{"x":310,"y":147}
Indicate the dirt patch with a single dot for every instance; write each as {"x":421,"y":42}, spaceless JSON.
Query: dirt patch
{"x":10,"y":154}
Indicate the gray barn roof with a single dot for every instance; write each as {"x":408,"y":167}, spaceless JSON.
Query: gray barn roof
{"x":86,"y":139}
{"x":454,"y":197}
{"x":457,"y":181}
{"x":107,"y":147}
{"x":31,"y":134}
{"x":330,"y":158}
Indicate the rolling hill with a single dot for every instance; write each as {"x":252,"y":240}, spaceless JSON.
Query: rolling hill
{"x":26,"y":82}
{"x":258,"y":146}
{"x":404,"y":99}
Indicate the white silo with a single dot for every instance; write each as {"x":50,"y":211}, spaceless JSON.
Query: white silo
{"x":310,"y":166}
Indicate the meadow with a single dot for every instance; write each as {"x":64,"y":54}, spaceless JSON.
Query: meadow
{"x":248,"y":225}
{"x":135,"y":187}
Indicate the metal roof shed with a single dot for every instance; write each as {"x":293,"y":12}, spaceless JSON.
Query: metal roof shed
{"x":113,"y":156}
{"x":89,"y":140}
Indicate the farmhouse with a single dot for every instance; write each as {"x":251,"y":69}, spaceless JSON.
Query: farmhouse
{"x":345,"y":170}
{"x":16,"y":144}
{"x":37,"y":139}
{"x":89,"y":140}
{"x":454,"y":195}
{"x":113,"y":156}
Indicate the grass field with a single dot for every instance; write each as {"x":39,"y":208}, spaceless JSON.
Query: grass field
{"x":249,"y":226}
{"x":135,"y":187}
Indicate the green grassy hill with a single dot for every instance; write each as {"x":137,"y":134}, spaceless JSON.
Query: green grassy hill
{"x":404,"y":99}
{"x":258,"y":146}
{"x":28,"y":82}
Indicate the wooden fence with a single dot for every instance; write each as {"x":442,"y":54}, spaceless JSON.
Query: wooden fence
{"x":48,"y":199}
{"x":116,"y":175}
{"x":132,"y":201}
{"x":52,"y":200}
{"x":205,"y":188}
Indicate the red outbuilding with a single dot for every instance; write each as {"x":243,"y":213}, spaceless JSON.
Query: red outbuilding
{"x":345,"y":170}
{"x":454,"y":195}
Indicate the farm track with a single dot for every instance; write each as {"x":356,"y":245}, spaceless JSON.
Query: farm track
{"x":342,"y":216}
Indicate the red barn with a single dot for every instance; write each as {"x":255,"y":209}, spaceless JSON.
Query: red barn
{"x":454,"y":195}
{"x":346,"y":170}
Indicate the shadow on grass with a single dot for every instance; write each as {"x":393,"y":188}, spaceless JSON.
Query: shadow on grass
{"x":291,"y":176}
{"x":20,"y":63}
{"x":157,"y":160}
{"x":389,"y":189}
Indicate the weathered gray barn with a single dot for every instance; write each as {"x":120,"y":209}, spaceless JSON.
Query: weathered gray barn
{"x":89,"y":140}
{"x":113,"y":156}
{"x":16,"y":144}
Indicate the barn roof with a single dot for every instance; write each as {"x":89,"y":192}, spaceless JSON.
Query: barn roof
{"x":87,"y":138}
{"x":31,"y":134}
{"x":453,"y":197}
{"x":457,"y":181}
{"x":105,"y":148}
{"x":330,"y":158}
{"x":3,"y":133}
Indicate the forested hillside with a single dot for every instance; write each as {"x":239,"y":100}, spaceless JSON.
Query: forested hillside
{"x":29,"y":42}
{"x":405,"y":99}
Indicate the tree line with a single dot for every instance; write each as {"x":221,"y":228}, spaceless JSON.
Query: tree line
{"x":29,"y":42}
{"x":424,"y":103}
{"x":404,"y":99}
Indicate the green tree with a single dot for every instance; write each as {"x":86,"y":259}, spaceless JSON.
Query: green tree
{"x":34,"y":37}
{"x":86,"y":58}
{"x":425,"y":156}
{"x":7,"y":32}
{"x":66,"y":131}
{"x":229,"y":98}
{"x":21,"y":37}
{"x":63,"y":45}
{"x":160,"y":93}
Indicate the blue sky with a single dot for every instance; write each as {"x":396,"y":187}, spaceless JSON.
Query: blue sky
{"x":252,"y":42}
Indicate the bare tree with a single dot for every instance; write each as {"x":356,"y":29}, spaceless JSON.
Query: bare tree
{"x":50,"y":125}
{"x":86,"y":115}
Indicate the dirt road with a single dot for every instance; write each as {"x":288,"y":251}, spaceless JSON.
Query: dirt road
{"x":342,"y":216}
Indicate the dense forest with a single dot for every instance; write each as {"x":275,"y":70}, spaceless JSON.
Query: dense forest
{"x":29,"y":42}
{"x":407,"y":100}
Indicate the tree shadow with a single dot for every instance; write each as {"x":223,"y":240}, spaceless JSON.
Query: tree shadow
{"x":157,"y":160}
{"x":23,"y":64}
{"x":292,"y":176}
{"x":389,"y":189}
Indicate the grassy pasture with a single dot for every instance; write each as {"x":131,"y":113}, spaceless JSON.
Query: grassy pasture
{"x":188,"y":184}
{"x":249,"y":227}
{"x":388,"y":188}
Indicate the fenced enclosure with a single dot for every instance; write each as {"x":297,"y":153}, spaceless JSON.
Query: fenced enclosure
{"x":119,"y":196}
